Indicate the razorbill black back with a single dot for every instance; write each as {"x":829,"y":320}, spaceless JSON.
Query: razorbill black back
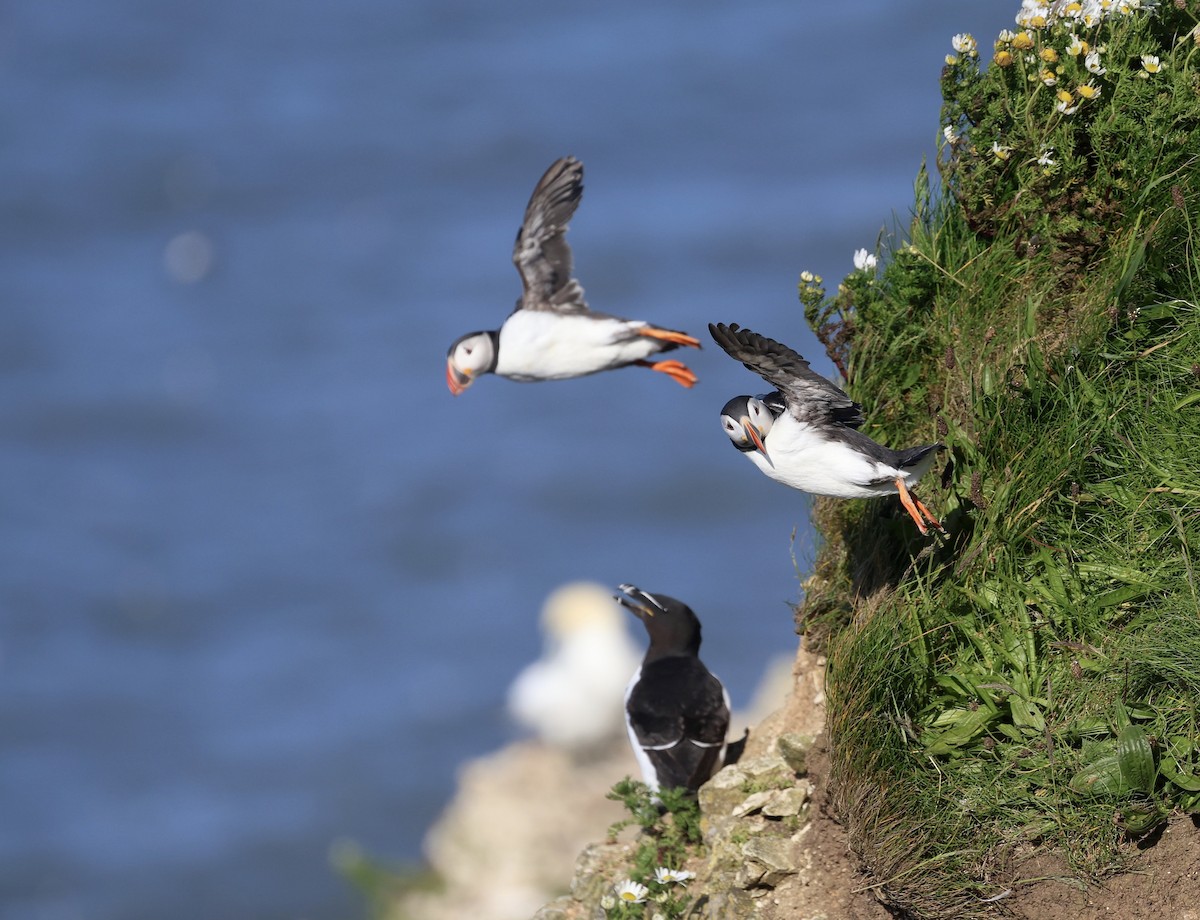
{"x":805,"y":434}
{"x":553,"y":334}
{"x":676,"y":711}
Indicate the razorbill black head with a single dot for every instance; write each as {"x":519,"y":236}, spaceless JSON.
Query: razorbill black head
{"x":676,"y":711}
{"x":812,"y":441}
{"x":553,"y":334}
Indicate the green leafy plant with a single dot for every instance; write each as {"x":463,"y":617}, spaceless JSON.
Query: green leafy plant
{"x":670,"y":833}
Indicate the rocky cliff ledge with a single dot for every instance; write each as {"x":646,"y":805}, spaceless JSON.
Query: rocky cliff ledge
{"x":530,"y":821}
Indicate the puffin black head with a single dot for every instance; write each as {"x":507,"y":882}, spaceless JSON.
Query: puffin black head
{"x":673,"y":628}
{"x":747,"y":420}
{"x":471,"y":355}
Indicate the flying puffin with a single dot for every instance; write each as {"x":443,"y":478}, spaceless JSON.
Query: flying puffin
{"x":805,"y":433}
{"x":552,"y":334}
{"x":676,"y":711}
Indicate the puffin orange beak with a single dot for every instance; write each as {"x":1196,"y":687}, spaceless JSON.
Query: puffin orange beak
{"x":753,"y":432}
{"x":456,"y":381}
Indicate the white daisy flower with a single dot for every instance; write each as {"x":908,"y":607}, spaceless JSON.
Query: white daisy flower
{"x":1005,"y":36}
{"x":952,"y":137}
{"x":1088,"y":90}
{"x":1151,"y":64}
{"x":1001,"y":151}
{"x":1046,"y":158}
{"x":1077,"y":47}
{"x":1092,"y":63}
{"x":864,"y":261}
{"x":1033,"y":15}
{"x":666,"y":876}
{"x":631,"y":892}
{"x":1049,"y":77}
{"x":807,"y":277}
{"x":964,"y":43}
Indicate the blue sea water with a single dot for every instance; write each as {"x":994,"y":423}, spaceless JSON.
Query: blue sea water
{"x":264,"y":581}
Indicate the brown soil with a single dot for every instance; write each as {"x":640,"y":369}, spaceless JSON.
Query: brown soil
{"x":1164,"y":881}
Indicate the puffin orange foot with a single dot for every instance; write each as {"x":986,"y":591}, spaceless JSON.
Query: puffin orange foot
{"x":917,"y":511}
{"x":669,"y":335}
{"x":676,"y":370}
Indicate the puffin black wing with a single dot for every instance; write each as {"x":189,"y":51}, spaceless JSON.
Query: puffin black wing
{"x":541,"y":253}
{"x":679,"y":713}
{"x":810,"y":397}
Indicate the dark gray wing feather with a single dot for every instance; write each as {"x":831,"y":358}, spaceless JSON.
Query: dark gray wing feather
{"x":810,"y":397}
{"x":541,"y":253}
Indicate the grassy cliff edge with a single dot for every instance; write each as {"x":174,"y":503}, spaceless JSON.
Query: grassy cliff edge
{"x":1031,"y":682}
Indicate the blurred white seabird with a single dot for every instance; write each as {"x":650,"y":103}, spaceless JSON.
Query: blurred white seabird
{"x":573,"y":696}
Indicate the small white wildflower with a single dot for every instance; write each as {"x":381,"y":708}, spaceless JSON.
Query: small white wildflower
{"x":952,"y":136}
{"x":864,"y":261}
{"x":1092,"y":63}
{"x":1077,"y":46}
{"x":1033,"y":16}
{"x":631,"y":892}
{"x":951,"y":60}
{"x":666,"y":876}
{"x":1046,"y":157}
{"x":807,"y":277}
{"x":1005,"y":36}
{"x":608,"y":902}
{"x":1066,"y":107}
{"x":1001,"y":151}
{"x":1049,"y":77}
{"x":964,"y":43}
{"x":1089,"y":90}
{"x":1151,"y":64}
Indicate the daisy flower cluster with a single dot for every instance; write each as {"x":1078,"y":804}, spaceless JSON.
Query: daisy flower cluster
{"x":1061,"y":52}
{"x":659,"y":892}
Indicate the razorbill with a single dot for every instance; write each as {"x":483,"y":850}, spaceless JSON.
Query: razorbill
{"x":676,"y":711}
